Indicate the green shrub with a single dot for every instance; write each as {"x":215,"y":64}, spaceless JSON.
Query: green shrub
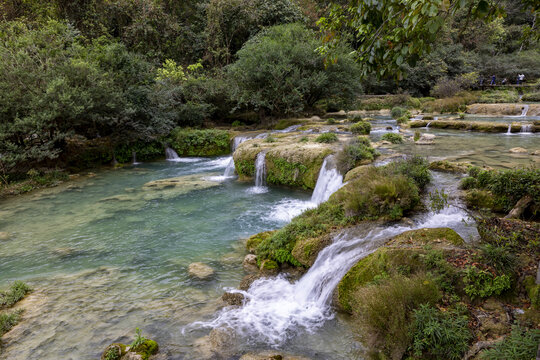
{"x":397,"y":112}
{"x":439,"y":335}
{"x":468,"y":182}
{"x":8,"y":321}
{"x":385,"y":312}
{"x":361,"y":127}
{"x":270,"y":139}
{"x":501,"y":258}
{"x":326,"y":138}
{"x":304,"y":139}
{"x":331,"y":121}
{"x":417,"y":135}
{"x":499,"y":96}
{"x":355,"y":118}
{"x":237,"y":124}
{"x":355,"y":151}
{"x":16,"y":292}
{"x":393,"y":138}
{"x":258,"y":74}
{"x":482,"y":283}
{"x":461,"y":115}
{"x":416,"y":168}
{"x":208,"y":142}
{"x":535,"y":96}
{"x":521,"y":344}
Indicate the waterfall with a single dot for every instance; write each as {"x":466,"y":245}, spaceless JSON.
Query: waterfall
{"x":134,"y":158}
{"x":276,"y":309}
{"x":260,"y":169}
{"x":170,"y":154}
{"x":328,"y":182}
{"x":229,"y":170}
{"x":524,"y":110}
{"x":509,"y":131}
{"x":526,"y":128}
{"x":429,"y":122}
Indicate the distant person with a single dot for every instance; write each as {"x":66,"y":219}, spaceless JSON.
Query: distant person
{"x":504,"y":81}
{"x":492,"y":80}
{"x":522,"y":78}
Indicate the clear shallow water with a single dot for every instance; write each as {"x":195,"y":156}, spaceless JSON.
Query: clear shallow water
{"x":481,"y":149}
{"x":107,"y":254}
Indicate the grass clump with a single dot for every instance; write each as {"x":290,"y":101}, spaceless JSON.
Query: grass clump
{"x":439,"y":335}
{"x":207,"y":142}
{"x":361,"y":128}
{"x":499,"y":96}
{"x":393,"y":138}
{"x":535,"y":96}
{"x":520,"y":344}
{"x":9,"y":320}
{"x":397,"y":112}
{"x":355,"y":152}
{"x":16,"y":292}
{"x":326,"y":138}
{"x":331,"y":121}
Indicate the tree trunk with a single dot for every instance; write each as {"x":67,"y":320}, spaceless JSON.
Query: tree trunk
{"x":519,"y":208}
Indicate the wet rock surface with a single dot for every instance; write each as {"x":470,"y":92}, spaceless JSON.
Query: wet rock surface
{"x":200,"y":271}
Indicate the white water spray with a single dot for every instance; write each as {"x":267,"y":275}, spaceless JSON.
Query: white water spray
{"x":274,"y":309}
{"x":328,"y":182}
{"x":229,"y":170}
{"x":171,"y":155}
{"x":526,"y":128}
{"x":260,"y":175}
{"x":524,"y":110}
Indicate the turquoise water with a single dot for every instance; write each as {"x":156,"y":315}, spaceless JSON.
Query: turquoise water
{"x":107,"y":254}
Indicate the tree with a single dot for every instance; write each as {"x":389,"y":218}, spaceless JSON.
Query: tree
{"x":389,"y":34}
{"x":278,"y":72}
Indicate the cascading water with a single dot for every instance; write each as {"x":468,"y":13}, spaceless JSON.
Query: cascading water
{"x":170,"y":154}
{"x":229,"y":170}
{"x":526,"y":128}
{"x":275,"y":310}
{"x":524,"y":110}
{"x":134,"y":158}
{"x":427,"y":125}
{"x":328,"y":182}
{"x":260,"y":175}
{"x":509,"y":131}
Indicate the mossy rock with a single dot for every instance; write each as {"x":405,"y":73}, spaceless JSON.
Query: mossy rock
{"x":146,"y":349}
{"x":269,"y":265}
{"x":451,"y":167}
{"x":114,"y":352}
{"x":256,"y":239}
{"x":402,"y":253}
{"x":357,"y":172}
{"x":306,"y":250}
{"x":296,"y":166}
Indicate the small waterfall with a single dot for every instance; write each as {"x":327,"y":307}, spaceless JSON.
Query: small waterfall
{"x":328,"y":182}
{"x":524,"y":110}
{"x":134,"y":158}
{"x":509,"y":131}
{"x":229,"y":170}
{"x":276,"y":309}
{"x":260,"y":169}
{"x":429,"y":123}
{"x":170,"y":154}
{"x":526,"y":128}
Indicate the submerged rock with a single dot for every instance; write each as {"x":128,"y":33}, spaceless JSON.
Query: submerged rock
{"x":250,"y":263}
{"x":221,"y":343}
{"x":271,"y":355}
{"x":518,"y":150}
{"x":4,"y":236}
{"x":426,"y":139}
{"x":200,"y":271}
{"x":233,"y":299}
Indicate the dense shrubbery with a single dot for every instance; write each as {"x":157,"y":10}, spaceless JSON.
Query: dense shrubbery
{"x":505,"y":188}
{"x":393,"y":138}
{"x":278,"y":72}
{"x":361,"y":128}
{"x":327,"y":138}
{"x":192,"y":142}
{"x":356,"y":151}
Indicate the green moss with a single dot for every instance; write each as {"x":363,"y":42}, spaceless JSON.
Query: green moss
{"x":431,"y":236}
{"x":285,"y":123}
{"x":269,"y":265}
{"x":452,"y":167}
{"x":146,"y":349}
{"x":245,"y":168}
{"x":393,"y":138}
{"x":256,"y":239}
{"x":193,"y":142}
{"x":306,"y":250}
{"x":533,"y":290}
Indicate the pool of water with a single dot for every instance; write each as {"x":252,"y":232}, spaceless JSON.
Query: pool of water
{"x":481,"y":149}
{"x":108,"y":254}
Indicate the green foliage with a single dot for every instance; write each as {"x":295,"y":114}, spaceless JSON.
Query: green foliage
{"x":501,"y":258}
{"x":499,"y":96}
{"x":535,"y":96}
{"x":237,"y":124}
{"x":397,"y":112}
{"x":415,"y":168}
{"x":439,"y":335}
{"x":193,"y":142}
{"x":355,"y":151}
{"x":417,"y":135}
{"x":270,"y":139}
{"x":385,"y":311}
{"x":521,"y":344}
{"x":331,"y":121}
{"x":278,"y":72}
{"x":361,"y":128}
{"x":8,"y":321}
{"x":326,"y":138}
{"x":393,"y":138}
{"x":453,"y":104}
{"x":482,"y":284}
{"x":139,"y":339}
{"x":113,"y":354}
{"x":16,"y":292}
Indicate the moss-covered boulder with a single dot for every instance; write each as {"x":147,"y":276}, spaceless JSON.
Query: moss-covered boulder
{"x":451,"y":167}
{"x":146,"y":349}
{"x":114,"y":352}
{"x":307,"y":250}
{"x":533,"y":290}
{"x":288,"y":161}
{"x":141,"y":351}
{"x":254,"y":240}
